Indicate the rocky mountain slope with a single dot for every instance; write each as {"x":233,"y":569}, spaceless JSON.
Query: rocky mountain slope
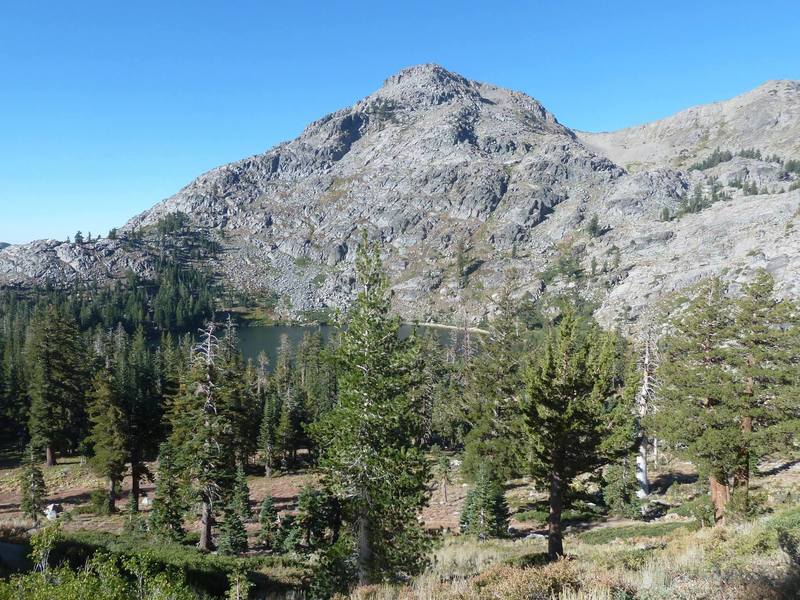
{"x":766,"y":118}
{"x":473,"y":188}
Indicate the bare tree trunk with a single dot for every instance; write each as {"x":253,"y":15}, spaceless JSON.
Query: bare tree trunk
{"x":655,"y":453}
{"x":642,"y":398}
{"x":555,"y":545}
{"x":741,"y":478}
{"x":720,"y":496}
{"x":641,"y":470}
{"x":135,"y":479}
{"x":206,"y":520}
{"x":444,"y":489}
{"x":50,"y":456}
{"x":112,"y":496}
{"x":364,"y":551}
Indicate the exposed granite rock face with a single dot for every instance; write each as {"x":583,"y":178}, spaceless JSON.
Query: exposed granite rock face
{"x":67,"y":263}
{"x":766,"y":118}
{"x":448,"y":171}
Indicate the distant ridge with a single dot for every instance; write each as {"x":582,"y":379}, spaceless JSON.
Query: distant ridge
{"x":473,"y":188}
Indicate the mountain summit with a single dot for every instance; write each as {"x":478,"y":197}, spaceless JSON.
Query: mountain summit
{"x":473,"y":188}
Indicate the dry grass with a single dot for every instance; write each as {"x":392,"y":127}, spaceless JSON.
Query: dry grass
{"x":739,"y":562}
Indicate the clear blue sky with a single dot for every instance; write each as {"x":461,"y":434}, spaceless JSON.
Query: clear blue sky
{"x":107,"y":107}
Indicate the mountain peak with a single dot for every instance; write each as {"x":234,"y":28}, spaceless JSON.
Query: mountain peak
{"x":779,"y":84}
{"x":426,"y":84}
{"x":426,"y":73}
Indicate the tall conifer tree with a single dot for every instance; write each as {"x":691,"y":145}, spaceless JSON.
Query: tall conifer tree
{"x":107,"y":435}
{"x":575,"y":424}
{"x":369,"y":442}
{"x":55,"y":374}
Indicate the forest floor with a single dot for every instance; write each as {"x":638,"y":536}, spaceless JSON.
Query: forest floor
{"x":661,"y":549}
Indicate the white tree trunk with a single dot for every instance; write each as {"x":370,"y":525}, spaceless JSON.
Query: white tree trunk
{"x":641,"y":470}
{"x":645,"y":392}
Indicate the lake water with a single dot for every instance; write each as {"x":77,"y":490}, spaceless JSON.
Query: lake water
{"x":253,"y":340}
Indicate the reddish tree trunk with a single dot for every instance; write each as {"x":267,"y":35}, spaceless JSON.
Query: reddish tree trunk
{"x":720,"y":496}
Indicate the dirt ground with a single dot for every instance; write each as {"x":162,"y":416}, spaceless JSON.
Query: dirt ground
{"x":71,"y":483}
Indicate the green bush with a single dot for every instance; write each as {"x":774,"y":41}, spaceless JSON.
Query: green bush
{"x":700,"y":509}
{"x":632,"y":559}
{"x":610,"y":534}
{"x":789,"y":542}
{"x":619,"y":490}
{"x":98,"y":501}
{"x":336,"y":570}
{"x":207,"y":572}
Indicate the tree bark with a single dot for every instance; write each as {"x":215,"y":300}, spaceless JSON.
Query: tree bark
{"x":555,"y":544}
{"x":364,"y":551}
{"x":641,"y":410}
{"x":206,"y":520}
{"x":50,"y":456}
{"x":655,"y":453}
{"x":741,"y":478}
{"x":641,"y":470}
{"x":135,"y":488}
{"x":720,"y":496}
{"x":112,"y":496}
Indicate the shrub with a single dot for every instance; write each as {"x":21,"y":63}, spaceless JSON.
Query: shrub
{"x":98,"y":501}
{"x":336,"y":570}
{"x":541,"y":583}
{"x":619,"y":490}
{"x":789,"y":542}
{"x":610,"y":534}
{"x":699,"y":509}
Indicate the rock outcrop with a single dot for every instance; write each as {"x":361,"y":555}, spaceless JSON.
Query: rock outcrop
{"x":471,"y":188}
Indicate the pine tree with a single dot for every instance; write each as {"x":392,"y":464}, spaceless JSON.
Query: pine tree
{"x":444,"y":469}
{"x":268,"y":430}
{"x":573,"y":424}
{"x":203,"y":432}
{"x":32,"y":487}
{"x":696,"y":380}
{"x":485,"y":512}
{"x":268,"y":522}
{"x":237,"y":394}
{"x":142,"y":408}
{"x":166,"y":518}
{"x":107,"y":436}
{"x":133,"y":518}
{"x":240,"y":586}
{"x":290,"y":399}
{"x":726,"y":397}
{"x":241,"y":495}
{"x":233,"y":535}
{"x":318,"y":517}
{"x":369,"y":455}
{"x":493,"y":396}
{"x":54,"y":371}
{"x":766,"y":345}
